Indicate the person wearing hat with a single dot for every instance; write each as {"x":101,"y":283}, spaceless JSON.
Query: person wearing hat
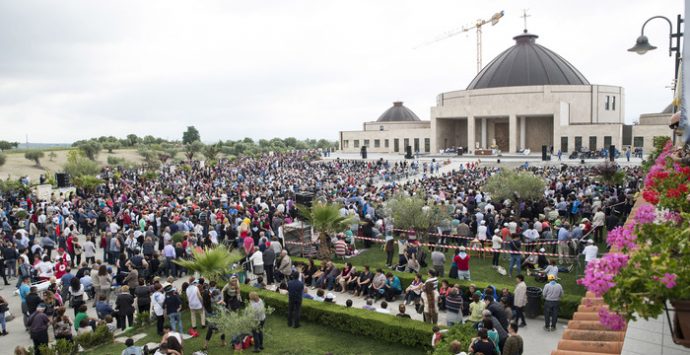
{"x":590,"y":251}
{"x":553,"y":292}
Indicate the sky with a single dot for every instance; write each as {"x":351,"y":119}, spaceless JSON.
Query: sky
{"x":73,"y":70}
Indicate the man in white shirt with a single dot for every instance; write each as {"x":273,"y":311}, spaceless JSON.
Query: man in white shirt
{"x":195,"y":304}
{"x":496,"y":244}
{"x":590,"y":251}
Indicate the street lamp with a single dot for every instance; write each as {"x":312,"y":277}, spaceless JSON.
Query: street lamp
{"x":642,"y":45}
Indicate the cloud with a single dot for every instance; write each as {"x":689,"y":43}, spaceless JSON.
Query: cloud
{"x":76,"y":69}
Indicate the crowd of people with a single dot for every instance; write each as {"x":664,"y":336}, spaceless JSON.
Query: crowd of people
{"x":113,"y":248}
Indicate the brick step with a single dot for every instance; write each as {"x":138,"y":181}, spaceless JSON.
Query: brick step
{"x":585,"y":308}
{"x":604,"y":347}
{"x":577,"y":334}
{"x":586,"y":316}
{"x":568,"y":352}
{"x":593,"y":301}
{"x":587,"y":325}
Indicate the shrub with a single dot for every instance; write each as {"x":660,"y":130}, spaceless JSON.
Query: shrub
{"x":99,"y":336}
{"x":142,"y":319}
{"x":78,"y":165}
{"x":353,"y":320}
{"x":178,"y":237}
{"x":568,"y":306}
{"x":3,"y":159}
{"x":460,"y":332}
{"x":514,"y":186}
{"x":60,"y":347}
{"x":115,"y":161}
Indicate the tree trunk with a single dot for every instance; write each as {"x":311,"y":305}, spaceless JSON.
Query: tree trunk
{"x":324,"y":246}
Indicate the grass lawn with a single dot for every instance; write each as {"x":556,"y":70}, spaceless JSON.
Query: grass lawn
{"x":480,"y":269}
{"x":279,"y":339}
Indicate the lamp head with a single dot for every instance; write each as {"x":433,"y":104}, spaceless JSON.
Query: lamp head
{"x":642,"y":45}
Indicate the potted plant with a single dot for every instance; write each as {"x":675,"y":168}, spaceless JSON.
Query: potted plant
{"x":649,"y":264}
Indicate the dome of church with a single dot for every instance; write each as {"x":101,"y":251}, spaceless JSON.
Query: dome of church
{"x":398,"y":113}
{"x":527,"y":63}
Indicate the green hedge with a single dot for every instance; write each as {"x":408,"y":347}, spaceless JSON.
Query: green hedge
{"x":460,"y":332}
{"x":568,"y":306}
{"x":353,"y":320}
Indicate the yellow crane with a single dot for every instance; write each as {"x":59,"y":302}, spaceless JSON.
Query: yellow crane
{"x":493,"y":20}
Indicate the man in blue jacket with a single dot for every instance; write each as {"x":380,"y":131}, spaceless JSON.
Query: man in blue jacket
{"x":295,"y":290}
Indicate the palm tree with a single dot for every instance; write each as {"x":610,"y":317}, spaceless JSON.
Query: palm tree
{"x":211,"y":262}
{"x":326,"y":219}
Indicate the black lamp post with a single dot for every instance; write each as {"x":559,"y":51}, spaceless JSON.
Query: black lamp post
{"x":642,"y":45}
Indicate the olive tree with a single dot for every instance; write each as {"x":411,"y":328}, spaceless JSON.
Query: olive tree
{"x":514,"y":186}
{"x":34,"y":155}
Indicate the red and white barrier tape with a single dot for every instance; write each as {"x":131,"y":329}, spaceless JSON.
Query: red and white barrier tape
{"x":455,"y":236}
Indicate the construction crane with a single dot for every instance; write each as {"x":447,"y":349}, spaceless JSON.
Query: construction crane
{"x":478,"y":26}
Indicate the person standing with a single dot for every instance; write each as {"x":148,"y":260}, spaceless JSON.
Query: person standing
{"x":38,"y":324}
{"x":389,"y":248}
{"x":4,"y":307}
{"x":515,"y":257}
{"x":514,"y":344}
{"x":462,"y":260}
{"x":158,"y":302}
{"x":172,"y":305}
{"x":124,"y":303}
{"x":295,"y":289}
{"x":553,"y":292}
{"x":590,"y":251}
{"x":269,"y":256}
{"x":196,"y":307}
{"x":438,"y":260}
{"x":520,"y":300}
{"x":496,"y":244}
{"x":260,"y":313}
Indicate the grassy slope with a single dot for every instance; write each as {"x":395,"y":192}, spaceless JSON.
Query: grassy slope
{"x":279,"y":339}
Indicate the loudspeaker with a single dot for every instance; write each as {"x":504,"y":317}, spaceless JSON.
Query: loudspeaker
{"x":543,"y":153}
{"x":363,"y":151}
{"x":62,"y":179}
{"x":460,"y":150}
{"x":408,"y":152}
{"x":498,"y":161}
{"x":612,"y":152}
{"x":304,"y":198}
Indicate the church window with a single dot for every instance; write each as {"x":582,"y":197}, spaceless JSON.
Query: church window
{"x":356,"y":143}
{"x":377,"y":143}
{"x":427,"y":145}
{"x":638,"y":142}
{"x":366,"y":142}
{"x":346,"y":144}
{"x":385,"y":143}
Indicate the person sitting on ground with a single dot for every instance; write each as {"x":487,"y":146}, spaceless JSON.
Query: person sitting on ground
{"x":454,"y":305}
{"x":443,"y":291}
{"x":348,"y":303}
{"x":260,"y":284}
{"x":306,"y":295}
{"x":552,"y":269}
{"x":319,"y":295}
{"x":401,"y":312}
{"x":131,"y":349}
{"x":414,"y":292}
{"x":330,"y":298}
{"x":345,"y":276}
{"x":109,"y":323}
{"x":384,"y":308}
{"x":393,"y":287}
{"x":436,"y":337}
{"x":364,"y":281}
{"x":476,"y":309}
{"x":491,"y":332}
{"x":377,"y":288}
{"x":369,"y":306}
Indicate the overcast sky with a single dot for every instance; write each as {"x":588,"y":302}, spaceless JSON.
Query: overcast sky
{"x":71,"y":70}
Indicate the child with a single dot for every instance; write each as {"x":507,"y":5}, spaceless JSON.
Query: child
{"x":443,"y":291}
{"x":436,"y":338}
{"x":109,"y":323}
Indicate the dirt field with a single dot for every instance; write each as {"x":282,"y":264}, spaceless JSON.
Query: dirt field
{"x":17,"y":166}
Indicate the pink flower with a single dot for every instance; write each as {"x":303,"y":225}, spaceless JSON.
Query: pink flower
{"x":669,"y":280}
{"x":645,"y":214}
{"x":612,"y":320}
{"x":673,"y":217}
{"x":622,"y":237}
{"x":600,"y":272}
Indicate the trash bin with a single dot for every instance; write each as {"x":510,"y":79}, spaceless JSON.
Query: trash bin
{"x":533,"y":307}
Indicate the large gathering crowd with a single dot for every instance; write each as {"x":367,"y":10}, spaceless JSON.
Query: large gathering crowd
{"x":113,"y":249}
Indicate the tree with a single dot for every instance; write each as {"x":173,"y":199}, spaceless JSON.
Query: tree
{"x":3,"y":159}
{"x":242,"y":321}
{"x":78,"y":165}
{"x":212,"y":263}
{"x":326,"y":219}
{"x":110,"y":146}
{"x":191,"y":135}
{"x":609,"y":173}
{"x":192,"y":148}
{"x":5,"y":145}
{"x":90,"y":149}
{"x":132,"y":140}
{"x":515,"y":186}
{"x":87,"y":182}
{"x":52,"y":155}
{"x":34,"y":155}
{"x":211,"y":151}
{"x":413,"y":213}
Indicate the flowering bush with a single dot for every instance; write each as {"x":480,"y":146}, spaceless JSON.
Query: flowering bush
{"x":650,"y":260}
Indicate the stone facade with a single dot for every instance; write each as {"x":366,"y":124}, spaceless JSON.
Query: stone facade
{"x":388,"y":137}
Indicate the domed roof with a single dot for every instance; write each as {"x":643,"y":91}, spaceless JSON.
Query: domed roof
{"x":398,"y":113}
{"x":527,"y":63}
